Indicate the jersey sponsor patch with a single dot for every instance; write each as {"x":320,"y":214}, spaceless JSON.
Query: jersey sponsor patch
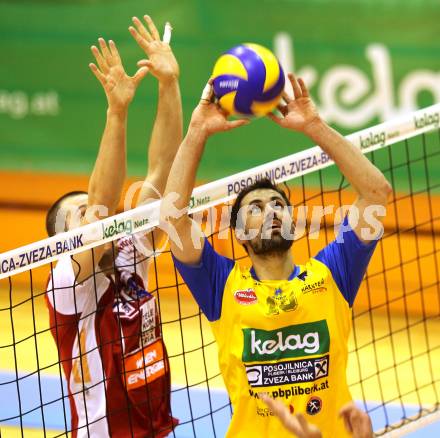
{"x":303,"y":275}
{"x":314,"y":287}
{"x":149,"y":322}
{"x":124,"y":309}
{"x":293,"y":341}
{"x":281,"y":302}
{"x":144,"y":366}
{"x":245,"y":297}
{"x":314,"y":405}
{"x":286,"y":373}
{"x":292,"y":391}
{"x":264,"y":411}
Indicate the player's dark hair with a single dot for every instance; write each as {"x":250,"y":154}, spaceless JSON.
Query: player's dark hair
{"x":51,"y":215}
{"x":264,"y":183}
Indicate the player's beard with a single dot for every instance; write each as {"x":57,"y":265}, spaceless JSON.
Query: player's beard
{"x":275,"y":244}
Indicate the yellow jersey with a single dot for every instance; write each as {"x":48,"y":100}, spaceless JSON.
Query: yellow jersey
{"x":287,"y":338}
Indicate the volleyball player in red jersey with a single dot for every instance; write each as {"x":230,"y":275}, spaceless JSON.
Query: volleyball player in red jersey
{"x":105,"y":323}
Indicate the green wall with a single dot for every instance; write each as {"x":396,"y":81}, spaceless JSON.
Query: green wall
{"x":52,"y":108}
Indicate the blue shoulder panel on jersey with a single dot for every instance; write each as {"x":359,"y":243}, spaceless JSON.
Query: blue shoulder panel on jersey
{"x":207,"y":280}
{"x":347,"y":260}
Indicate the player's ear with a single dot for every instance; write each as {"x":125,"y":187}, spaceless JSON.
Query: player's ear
{"x":67,"y":220}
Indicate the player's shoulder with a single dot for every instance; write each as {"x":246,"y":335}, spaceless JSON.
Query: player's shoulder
{"x":315,"y":261}
{"x":238,"y":276}
{"x":235,"y":272}
{"x":62,"y":273}
{"x":62,"y":276}
{"x":243,"y":271}
{"x":313,"y":268}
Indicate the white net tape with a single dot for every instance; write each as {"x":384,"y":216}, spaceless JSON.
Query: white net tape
{"x":146,"y":217}
{"x":414,"y":425}
{"x":208,"y":195}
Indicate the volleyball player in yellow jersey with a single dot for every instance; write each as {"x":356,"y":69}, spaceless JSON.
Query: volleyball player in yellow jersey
{"x":281,"y":328}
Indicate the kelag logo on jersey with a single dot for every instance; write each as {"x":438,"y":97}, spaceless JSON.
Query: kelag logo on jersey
{"x":287,"y":372}
{"x":293,"y":341}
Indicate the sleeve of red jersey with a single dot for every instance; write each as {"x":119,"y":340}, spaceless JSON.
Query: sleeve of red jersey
{"x":347,"y":257}
{"x":207,"y":280}
{"x":65,"y":295}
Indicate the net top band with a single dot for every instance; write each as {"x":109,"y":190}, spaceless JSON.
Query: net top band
{"x":146,"y":217}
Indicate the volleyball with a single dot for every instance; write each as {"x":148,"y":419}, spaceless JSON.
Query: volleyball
{"x":248,"y":79}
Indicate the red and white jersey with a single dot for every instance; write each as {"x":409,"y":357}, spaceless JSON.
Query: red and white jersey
{"x":111,"y":349}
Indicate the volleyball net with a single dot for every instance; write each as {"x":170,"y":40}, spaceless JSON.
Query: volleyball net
{"x":394,"y":347}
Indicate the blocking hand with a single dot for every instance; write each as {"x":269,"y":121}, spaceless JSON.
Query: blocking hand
{"x":161,"y":60}
{"x":118,"y":86}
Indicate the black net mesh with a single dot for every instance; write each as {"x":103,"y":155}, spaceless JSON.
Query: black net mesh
{"x":394,"y":348}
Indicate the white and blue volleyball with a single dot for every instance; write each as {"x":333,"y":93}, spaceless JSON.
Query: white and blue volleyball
{"x":249,"y":80}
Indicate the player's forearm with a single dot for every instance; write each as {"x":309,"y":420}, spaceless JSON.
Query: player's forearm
{"x":368,"y":181}
{"x":183,"y":172}
{"x":107,"y":179}
{"x":166,"y":136}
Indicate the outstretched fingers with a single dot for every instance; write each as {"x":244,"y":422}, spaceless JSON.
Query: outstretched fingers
{"x":142,"y":30}
{"x":287,"y":99}
{"x":114,"y":52}
{"x":152,"y":27}
{"x":102,"y":63}
{"x":296,"y":88}
{"x":105,"y":52}
{"x":143,"y":43}
{"x":101,"y":78}
{"x":304,"y":89}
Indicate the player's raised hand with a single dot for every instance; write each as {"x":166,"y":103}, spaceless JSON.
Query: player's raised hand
{"x":161,"y":60}
{"x":356,"y":421}
{"x":118,"y":86}
{"x":209,"y":118}
{"x":299,"y":112}
{"x":296,"y":424}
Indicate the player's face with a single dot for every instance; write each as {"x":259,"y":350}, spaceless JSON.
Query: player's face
{"x":267,"y":222}
{"x":73,"y":210}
